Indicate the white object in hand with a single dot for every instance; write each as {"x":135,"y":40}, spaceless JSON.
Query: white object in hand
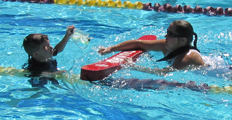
{"x":80,"y":36}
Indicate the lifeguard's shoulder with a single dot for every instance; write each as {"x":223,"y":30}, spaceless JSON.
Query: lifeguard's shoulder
{"x":190,"y":58}
{"x":193,"y":57}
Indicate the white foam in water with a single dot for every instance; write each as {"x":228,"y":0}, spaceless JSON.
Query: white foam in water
{"x":80,"y":37}
{"x":217,"y":67}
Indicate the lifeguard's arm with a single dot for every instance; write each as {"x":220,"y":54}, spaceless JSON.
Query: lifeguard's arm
{"x":156,"y":45}
{"x":157,"y":71}
{"x":61,"y":45}
{"x":191,"y":60}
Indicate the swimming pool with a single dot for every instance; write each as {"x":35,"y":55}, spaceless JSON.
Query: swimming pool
{"x":109,"y":26}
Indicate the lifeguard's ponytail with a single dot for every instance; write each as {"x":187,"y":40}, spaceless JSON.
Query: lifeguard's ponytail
{"x":195,"y":41}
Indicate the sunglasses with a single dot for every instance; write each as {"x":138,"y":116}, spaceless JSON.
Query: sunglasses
{"x":171,"y":34}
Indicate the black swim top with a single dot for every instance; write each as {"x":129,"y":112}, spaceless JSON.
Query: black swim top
{"x":177,"y":52}
{"x":36,"y":68}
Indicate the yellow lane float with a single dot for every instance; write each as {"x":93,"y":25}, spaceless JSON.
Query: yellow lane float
{"x":100,"y":3}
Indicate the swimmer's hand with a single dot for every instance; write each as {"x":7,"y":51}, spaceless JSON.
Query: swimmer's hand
{"x":70,"y":30}
{"x":104,"y":50}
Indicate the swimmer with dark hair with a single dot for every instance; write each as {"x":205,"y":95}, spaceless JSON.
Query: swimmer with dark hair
{"x":40,"y":53}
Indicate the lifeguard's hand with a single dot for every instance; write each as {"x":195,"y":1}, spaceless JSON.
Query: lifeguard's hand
{"x":104,"y":50}
{"x":70,"y":30}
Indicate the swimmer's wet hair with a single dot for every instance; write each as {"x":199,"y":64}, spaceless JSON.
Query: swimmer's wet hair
{"x":185,"y":29}
{"x":32,"y":42}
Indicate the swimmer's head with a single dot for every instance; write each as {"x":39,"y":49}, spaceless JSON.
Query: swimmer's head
{"x":185,"y":29}
{"x":32,"y":42}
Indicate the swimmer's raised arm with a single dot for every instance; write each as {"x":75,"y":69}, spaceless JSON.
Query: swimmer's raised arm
{"x":61,"y":45}
{"x":156,"y":45}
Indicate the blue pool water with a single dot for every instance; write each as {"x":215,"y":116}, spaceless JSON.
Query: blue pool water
{"x":109,"y":26}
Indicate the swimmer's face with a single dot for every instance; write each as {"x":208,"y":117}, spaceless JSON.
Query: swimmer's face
{"x":45,"y":51}
{"x":172,"y":39}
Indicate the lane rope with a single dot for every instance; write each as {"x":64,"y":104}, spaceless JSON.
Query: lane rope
{"x":209,"y":11}
{"x":11,"y":71}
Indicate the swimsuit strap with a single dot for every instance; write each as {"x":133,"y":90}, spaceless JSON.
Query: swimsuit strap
{"x":177,"y":52}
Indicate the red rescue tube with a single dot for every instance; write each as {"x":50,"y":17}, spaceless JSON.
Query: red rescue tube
{"x":102,"y":69}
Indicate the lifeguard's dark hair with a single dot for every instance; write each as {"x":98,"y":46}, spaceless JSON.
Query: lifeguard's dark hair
{"x":32,"y":42}
{"x":185,"y":29}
